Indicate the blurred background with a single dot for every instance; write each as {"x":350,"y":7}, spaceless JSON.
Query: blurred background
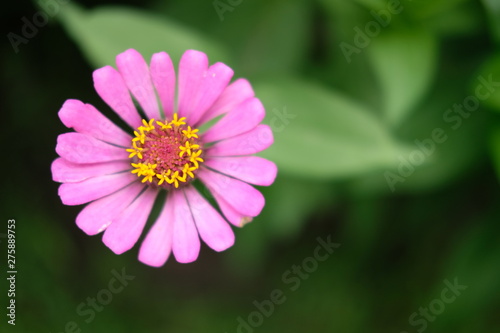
{"x":387,"y":138}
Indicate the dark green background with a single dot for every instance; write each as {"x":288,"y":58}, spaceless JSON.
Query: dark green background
{"x":352,"y":122}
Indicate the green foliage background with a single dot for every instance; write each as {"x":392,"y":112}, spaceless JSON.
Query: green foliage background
{"x":353,"y":120}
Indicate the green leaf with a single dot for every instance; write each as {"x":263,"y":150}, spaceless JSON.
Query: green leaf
{"x":475,"y":262}
{"x":277,"y":40}
{"x":105,"y":32}
{"x":287,"y":208}
{"x":372,"y":4}
{"x":490,"y":71}
{"x":425,"y":9}
{"x":444,"y":160}
{"x":463,"y":20}
{"x":404,"y":63}
{"x":493,"y":9}
{"x":320,"y":133}
{"x":266,"y":36}
{"x":495,"y":148}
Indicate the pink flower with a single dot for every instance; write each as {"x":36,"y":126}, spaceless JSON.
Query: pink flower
{"x":120,"y":175}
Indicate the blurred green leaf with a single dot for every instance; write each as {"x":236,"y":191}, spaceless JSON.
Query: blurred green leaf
{"x":321,"y":133}
{"x":427,"y":8}
{"x":245,"y":254}
{"x":462,"y":150}
{"x":287,"y":208}
{"x":493,"y":9}
{"x":278,"y":39}
{"x":491,"y":69}
{"x":286,"y":213}
{"x":475,"y":263}
{"x":266,"y":36}
{"x":404,"y":62}
{"x":372,"y":4}
{"x":105,"y":32}
{"x":495,"y":148}
{"x":463,"y":20}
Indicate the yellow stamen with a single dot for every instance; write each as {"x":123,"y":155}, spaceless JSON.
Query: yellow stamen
{"x":187,"y":148}
{"x":164,"y":126}
{"x":147,"y":126}
{"x":178,"y":122}
{"x":189,"y":171}
{"x":175,"y":179}
{"x":139,"y":136}
{"x":195,"y":158}
{"x":164,"y":177}
{"x":190,"y":133}
{"x":135,"y":151}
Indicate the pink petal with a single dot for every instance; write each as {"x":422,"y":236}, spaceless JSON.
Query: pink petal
{"x":242,"y":197}
{"x":241,"y":119}
{"x":97,"y":215}
{"x":135,"y":72}
{"x":234,"y":94}
{"x":127,"y":227}
{"x":192,"y":69}
{"x":251,"y":169}
{"x":186,"y":243}
{"x":233,"y":216}
{"x":157,"y":245}
{"x":81,"y":148}
{"x":251,"y":142}
{"x":163,"y":75}
{"x":85,"y":119}
{"x":67,"y":172}
{"x":213,"y":229}
{"x":215,"y":81}
{"x":109,"y":84}
{"x":94,"y":188}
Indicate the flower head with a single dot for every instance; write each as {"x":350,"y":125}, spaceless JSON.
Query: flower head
{"x":120,"y":175}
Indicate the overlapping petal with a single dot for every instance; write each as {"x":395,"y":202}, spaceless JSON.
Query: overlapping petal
{"x":243,"y":118}
{"x":64,"y":171}
{"x":232,"y":215}
{"x":94,"y":188}
{"x":251,"y":142}
{"x":135,"y":73}
{"x":214,"y":82}
{"x":244,"y":198}
{"x":126,"y":228}
{"x":81,"y":148}
{"x":110,"y":85}
{"x":234,"y":94}
{"x":157,"y":245}
{"x":85,"y":119}
{"x":185,"y":243}
{"x":251,"y":169}
{"x":97,"y":215}
{"x":213,"y":229}
{"x":192,"y":70}
{"x":163,"y":76}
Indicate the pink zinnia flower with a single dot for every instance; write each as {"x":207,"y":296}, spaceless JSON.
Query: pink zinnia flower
{"x":121,"y":175}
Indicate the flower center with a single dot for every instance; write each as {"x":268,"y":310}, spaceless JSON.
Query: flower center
{"x":166,"y":154}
